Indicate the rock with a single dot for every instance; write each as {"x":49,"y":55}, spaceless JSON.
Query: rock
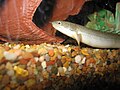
{"x":69,"y":68}
{"x":54,"y":70}
{"x":83,"y":60}
{"x":42,"y":58}
{"x":27,"y":55}
{"x":42,"y":51}
{"x":10,"y":56}
{"x":43,"y":64}
{"x":51,"y":53}
{"x":5,"y":79}
{"x":61,"y":71}
{"x":1,"y":52}
{"x":20,"y":71}
{"x":45,"y":74}
{"x":36,"y":59}
{"x":30,"y":82}
{"x":10,"y":72}
{"x":9,"y":66}
{"x":66,"y":64}
{"x":78,"y":59}
{"x":47,"y":57}
{"x":16,"y":46}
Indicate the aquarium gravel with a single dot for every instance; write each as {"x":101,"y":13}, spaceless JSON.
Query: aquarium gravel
{"x":58,"y":67}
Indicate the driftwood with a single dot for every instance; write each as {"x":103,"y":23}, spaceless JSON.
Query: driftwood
{"x":16,"y":20}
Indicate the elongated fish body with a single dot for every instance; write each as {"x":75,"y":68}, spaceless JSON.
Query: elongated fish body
{"x":90,"y":37}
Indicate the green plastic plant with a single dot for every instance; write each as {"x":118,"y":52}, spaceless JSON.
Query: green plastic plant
{"x":105,"y":20}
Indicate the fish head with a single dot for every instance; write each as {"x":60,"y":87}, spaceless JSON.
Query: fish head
{"x":67,"y":28}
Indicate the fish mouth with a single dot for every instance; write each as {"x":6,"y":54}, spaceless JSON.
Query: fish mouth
{"x":43,"y":13}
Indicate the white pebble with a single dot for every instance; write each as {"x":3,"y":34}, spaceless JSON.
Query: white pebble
{"x":47,"y":57}
{"x":36,"y":59}
{"x":27,"y":46}
{"x":59,"y":57}
{"x":43,"y":64}
{"x":16,"y":47}
{"x":83,"y":60}
{"x":58,"y":74}
{"x":78,"y":59}
{"x":10,"y":56}
{"x":41,"y":79}
{"x":65,"y":69}
{"x":60,"y":70}
{"x":69,"y":68}
{"x":67,"y":45}
{"x":41,"y":59}
{"x":64,"y":50}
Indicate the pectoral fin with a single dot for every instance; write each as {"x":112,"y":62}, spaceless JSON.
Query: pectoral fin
{"x":77,"y":37}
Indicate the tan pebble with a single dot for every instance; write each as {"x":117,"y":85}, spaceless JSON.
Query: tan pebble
{"x":10,"y":72}
{"x":22,"y":87}
{"x":9,"y":66}
{"x":66,"y":64}
{"x":35,"y":54}
{"x":1,"y":76}
{"x":1,"y":52}
{"x":42,"y":51}
{"x":45,"y":74}
{"x":63,"y":60}
{"x":78,"y":71}
{"x":53,"y":58}
{"x":61,"y":71}
{"x":27,"y":55}
{"x":2,"y":67}
{"x":13,"y":84}
{"x":30,"y":82}
{"x":74,"y":53}
{"x":7,"y":48}
{"x":5,"y":80}
{"x":68,"y":59}
{"x":7,"y":88}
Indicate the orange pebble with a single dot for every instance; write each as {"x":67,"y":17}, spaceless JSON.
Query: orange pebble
{"x":24,"y":61}
{"x":50,"y":63}
{"x":33,"y":60}
{"x":76,"y":48}
{"x":84,"y":52}
{"x":51,"y":52}
{"x":92,"y":60}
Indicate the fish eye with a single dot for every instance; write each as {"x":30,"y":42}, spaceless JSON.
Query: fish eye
{"x":59,"y":22}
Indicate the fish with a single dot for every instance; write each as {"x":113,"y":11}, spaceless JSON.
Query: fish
{"x":94,"y":38}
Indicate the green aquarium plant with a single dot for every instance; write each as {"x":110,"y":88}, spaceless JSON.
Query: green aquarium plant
{"x":105,"y":20}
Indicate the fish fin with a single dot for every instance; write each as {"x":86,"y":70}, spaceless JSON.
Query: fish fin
{"x":77,"y":37}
